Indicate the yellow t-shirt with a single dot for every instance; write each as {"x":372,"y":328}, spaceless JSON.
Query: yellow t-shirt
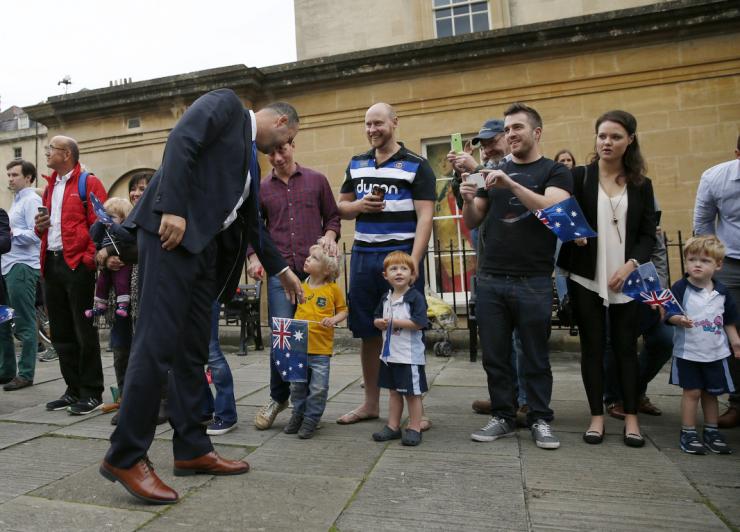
{"x":324,"y":301}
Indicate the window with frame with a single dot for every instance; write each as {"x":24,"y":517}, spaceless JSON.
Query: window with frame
{"x":457,"y":17}
{"x":17,"y":153}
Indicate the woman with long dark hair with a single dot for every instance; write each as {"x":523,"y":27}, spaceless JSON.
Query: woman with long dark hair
{"x":565,"y":157}
{"x":617,"y":200}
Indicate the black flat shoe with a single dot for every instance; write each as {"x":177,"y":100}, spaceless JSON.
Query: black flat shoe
{"x":633,"y":440}
{"x":593,"y":437}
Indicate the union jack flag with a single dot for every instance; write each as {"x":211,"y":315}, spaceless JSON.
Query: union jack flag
{"x":643,"y":284}
{"x":290,"y":349}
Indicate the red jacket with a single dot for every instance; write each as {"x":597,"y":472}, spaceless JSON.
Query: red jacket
{"x":76,"y":242}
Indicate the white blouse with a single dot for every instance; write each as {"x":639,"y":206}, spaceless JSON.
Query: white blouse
{"x":610,"y":251}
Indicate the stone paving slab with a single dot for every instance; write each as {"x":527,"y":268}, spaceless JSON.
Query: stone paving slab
{"x":323,"y":455}
{"x":724,"y":499}
{"x":589,"y":513}
{"x":97,"y":426}
{"x":30,"y":465}
{"x":427,"y":491}
{"x":86,"y":485}
{"x":260,"y":500}
{"x":33,"y":514}
{"x":13,"y":433}
{"x":604,"y":470}
{"x":39,"y":414}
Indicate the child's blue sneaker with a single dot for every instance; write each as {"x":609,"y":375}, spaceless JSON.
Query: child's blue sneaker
{"x":690,"y":442}
{"x":715,"y":442}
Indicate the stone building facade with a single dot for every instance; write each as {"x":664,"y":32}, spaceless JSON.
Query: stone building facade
{"x":674,"y":65}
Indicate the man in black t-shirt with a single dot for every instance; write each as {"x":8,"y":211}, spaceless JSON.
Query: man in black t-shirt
{"x":514,"y":287}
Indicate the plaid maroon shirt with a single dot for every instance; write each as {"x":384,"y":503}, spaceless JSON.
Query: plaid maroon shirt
{"x":298,"y":213}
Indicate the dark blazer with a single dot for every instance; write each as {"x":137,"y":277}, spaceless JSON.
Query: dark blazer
{"x":202,"y":176}
{"x":640,"y":237}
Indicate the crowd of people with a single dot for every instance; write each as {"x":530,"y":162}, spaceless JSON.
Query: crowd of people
{"x":170,"y":254}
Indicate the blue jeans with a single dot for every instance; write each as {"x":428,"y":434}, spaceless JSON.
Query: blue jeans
{"x":505,"y":303}
{"x":278,"y":306}
{"x":224,"y":407}
{"x":657,"y":349}
{"x":309,"y":398}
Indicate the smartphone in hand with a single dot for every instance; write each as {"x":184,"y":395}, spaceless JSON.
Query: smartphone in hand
{"x":378,"y":191}
{"x":479,"y":179}
{"x":456,"y":142}
{"x":43,"y":211}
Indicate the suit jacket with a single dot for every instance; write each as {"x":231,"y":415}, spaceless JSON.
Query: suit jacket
{"x":640,"y":237}
{"x":202,"y":176}
{"x":5,"y":243}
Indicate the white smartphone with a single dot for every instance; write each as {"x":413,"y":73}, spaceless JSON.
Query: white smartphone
{"x":479,"y":179}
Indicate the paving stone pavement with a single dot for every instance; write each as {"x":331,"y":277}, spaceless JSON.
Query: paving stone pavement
{"x":342,"y":480}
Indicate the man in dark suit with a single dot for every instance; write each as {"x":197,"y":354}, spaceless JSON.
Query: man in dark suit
{"x":193,"y":225}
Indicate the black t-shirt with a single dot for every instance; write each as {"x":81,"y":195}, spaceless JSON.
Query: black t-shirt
{"x":513,"y":241}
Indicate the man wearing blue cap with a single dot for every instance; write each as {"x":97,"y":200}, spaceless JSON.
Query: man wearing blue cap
{"x":493,"y":148}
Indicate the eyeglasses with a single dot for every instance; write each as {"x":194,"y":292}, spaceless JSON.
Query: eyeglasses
{"x":50,"y":147}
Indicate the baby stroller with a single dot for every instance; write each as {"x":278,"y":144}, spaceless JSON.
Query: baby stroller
{"x":442,"y":318}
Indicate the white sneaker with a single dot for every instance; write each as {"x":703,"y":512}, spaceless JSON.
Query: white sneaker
{"x":267,"y":414}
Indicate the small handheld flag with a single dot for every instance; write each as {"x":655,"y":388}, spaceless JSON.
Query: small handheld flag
{"x":6,"y":313}
{"x":566,"y":220}
{"x":643,"y":284}
{"x":388,"y":333}
{"x":103,"y":216}
{"x":290,"y":349}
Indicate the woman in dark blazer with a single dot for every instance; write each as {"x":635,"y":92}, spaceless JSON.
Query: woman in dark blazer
{"x":617,"y":199}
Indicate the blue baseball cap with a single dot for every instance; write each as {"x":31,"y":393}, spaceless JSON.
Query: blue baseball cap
{"x":489,"y":130}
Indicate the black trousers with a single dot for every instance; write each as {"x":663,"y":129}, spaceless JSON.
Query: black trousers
{"x":623,"y":328}
{"x":68,"y":293}
{"x":170,"y":347}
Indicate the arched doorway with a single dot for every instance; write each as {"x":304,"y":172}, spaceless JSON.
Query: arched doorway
{"x":120,"y":187}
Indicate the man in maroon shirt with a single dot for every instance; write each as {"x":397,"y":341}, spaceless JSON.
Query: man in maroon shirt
{"x":299,"y":208}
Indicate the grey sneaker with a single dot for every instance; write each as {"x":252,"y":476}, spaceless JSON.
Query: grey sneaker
{"x":267,"y":414}
{"x":308,"y":427}
{"x":48,"y":355}
{"x":294,"y":424}
{"x":496,"y":428}
{"x":543,"y":436}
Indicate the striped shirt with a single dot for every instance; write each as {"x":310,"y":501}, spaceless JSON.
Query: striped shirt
{"x":404,"y":177}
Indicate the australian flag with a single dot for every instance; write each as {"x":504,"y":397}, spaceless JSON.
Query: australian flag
{"x":290,"y":349}
{"x":103,"y":216}
{"x":566,"y":220}
{"x":6,"y":313}
{"x":643,"y":284}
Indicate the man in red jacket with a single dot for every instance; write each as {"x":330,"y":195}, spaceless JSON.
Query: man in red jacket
{"x":68,"y":268}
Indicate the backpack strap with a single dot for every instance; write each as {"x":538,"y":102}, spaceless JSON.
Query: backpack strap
{"x":82,"y":188}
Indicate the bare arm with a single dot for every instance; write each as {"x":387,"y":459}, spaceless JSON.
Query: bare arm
{"x":734,"y":338}
{"x":424,"y":216}
{"x":350,"y":207}
{"x":531,"y":200}
{"x":474,"y":209}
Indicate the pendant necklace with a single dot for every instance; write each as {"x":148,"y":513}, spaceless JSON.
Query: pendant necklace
{"x":614,"y":208}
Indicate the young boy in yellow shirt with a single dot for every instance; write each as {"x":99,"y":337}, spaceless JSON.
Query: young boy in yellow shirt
{"x":324,"y":307}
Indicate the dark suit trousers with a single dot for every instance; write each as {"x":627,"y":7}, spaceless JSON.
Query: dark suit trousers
{"x":176,"y":291}
{"x":68,"y":293}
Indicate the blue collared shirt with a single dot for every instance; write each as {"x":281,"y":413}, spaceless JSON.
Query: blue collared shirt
{"x":717,"y":208}
{"x":25,"y":245}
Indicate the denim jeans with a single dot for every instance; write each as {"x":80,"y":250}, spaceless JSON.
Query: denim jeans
{"x":516,"y":363}
{"x":278,"y":306}
{"x":657,"y":348}
{"x":309,"y":398}
{"x":503,"y":304}
{"x":224,"y":407}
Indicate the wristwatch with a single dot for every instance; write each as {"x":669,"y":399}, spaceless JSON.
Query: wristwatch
{"x":635,"y":262}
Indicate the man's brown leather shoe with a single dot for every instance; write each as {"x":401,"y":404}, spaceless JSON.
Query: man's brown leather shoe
{"x":141,"y":481}
{"x":616,"y":410}
{"x":482,"y":406}
{"x":645,"y":406}
{"x":210,"y":464}
{"x":730,"y":419}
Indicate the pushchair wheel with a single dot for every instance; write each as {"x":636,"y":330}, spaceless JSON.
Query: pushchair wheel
{"x":443,"y":348}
